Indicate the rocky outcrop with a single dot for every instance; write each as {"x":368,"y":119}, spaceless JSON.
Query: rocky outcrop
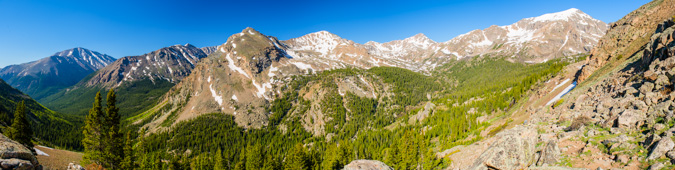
{"x":367,"y":165}
{"x":13,"y":155}
{"x":422,"y":114}
{"x":513,"y":149}
{"x":626,"y":36}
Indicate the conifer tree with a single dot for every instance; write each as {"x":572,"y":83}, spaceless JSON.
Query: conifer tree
{"x":297,"y":160}
{"x":219,"y":163}
{"x":241,"y":164}
{"x":93,"y":134}
{"x":129,"y":155}
{"x":114,"y":141}
{"x":20,"y":130}
{"x":254,"y":158}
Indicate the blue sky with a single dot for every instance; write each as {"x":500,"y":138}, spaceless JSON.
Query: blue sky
{"x":30,"y":30}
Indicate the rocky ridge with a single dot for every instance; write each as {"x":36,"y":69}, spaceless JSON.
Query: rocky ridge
{"x":628,"y":35}
{"x":167,"y":64}
{"x":534,"y":39}
{"x":42,"y":77}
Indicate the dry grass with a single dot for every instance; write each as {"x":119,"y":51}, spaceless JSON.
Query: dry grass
{"x":58,"y":159}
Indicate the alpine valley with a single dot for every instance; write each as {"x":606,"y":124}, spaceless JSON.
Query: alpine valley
{"x":558,"y":91}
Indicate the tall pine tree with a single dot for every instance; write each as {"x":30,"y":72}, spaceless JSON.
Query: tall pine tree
{"x":94,"y":134}
{"x":114,"y":141}
{"x":297,"y":160}
{"x":129,"y":156}
{"x":20,"y":129}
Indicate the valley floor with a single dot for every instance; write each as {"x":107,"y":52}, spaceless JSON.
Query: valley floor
{"x":57,"y":158}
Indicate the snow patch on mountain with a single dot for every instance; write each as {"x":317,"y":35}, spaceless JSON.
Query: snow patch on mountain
{"x":216,"y":97}
{"x":230,"y":64}
{"x":302,"y":66}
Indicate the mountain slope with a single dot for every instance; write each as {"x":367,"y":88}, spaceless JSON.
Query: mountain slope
{"x":627,"y":36}
{"x":139,"y":80}
{"x":50,"y":128}
{"x":313,"y":92}
{"x":48,"y":75}
{"x":534,"y":39}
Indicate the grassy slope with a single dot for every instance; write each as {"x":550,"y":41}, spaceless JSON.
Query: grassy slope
{"x":132,"y":98}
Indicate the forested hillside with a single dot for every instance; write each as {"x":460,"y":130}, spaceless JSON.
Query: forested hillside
{"x":42,"y":120}
{"x":354,"y":125}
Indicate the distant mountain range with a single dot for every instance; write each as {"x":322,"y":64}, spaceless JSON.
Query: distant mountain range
{"x":250,"y":69}
{"x":49,"y":75}
{"x":139,"y":80}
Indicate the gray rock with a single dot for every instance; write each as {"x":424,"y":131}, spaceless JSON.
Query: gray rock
{"x":73,"y":166}
{"x":630,"y":119}
{"x":662,"y":81}
{"x":670,"y":154}
{"x":14,"y":154}
{"x":656,"y":166}
{"x":650,"y":140}
{"x":646,"y":87}
{"x":664,"y":145}
{"x":422,"y":114}
{"x":14,"y":163}
{"x":512,"y":149}
{"x":550,"y":154}
{"x":363,"y":164}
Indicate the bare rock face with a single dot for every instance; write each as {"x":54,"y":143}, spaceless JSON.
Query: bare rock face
{"x":625,"y":37}
{"x":514,"y":149}
{"x":13,"y":155}
{"x":367,"y":165}
{"x":422,"y":114}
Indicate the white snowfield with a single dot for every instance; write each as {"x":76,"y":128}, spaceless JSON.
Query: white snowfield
{"x":562,"y":93}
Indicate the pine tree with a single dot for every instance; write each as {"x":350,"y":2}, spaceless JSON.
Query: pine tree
{"x":4,"y":118}
{"x":254,"y":158}
{"x":219,"y":163}
{"x":129,"y":155}
{"x":93,"y":134}
{"x":20,"y":130}
{"x":114,"y":141}
{"x":297,"y":160}
{"x":331,"y":158}
{"x":241,"y":164}
{"x":271,"y":163}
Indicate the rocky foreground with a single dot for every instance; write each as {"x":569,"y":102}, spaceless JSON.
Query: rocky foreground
{"x":624,"y":120}
{"x":13,"y":155}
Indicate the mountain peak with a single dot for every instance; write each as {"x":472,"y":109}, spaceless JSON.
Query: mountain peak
{"x":249,"y":30}
{"x":562,"y":15}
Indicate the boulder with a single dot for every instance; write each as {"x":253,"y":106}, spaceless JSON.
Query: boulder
{"x":14,"y":163}
{"x":660,"y":148}
{"x":73,"y":166}
{"x":662,"y":81}
{"x":363,"y":164}
{"x":550,"y":154}
{"x":630,"y":119}
{"x":646,"y":87}
{"x":512,"y":149}
{"x":656,"y":166}
{"x":14,"y":155}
